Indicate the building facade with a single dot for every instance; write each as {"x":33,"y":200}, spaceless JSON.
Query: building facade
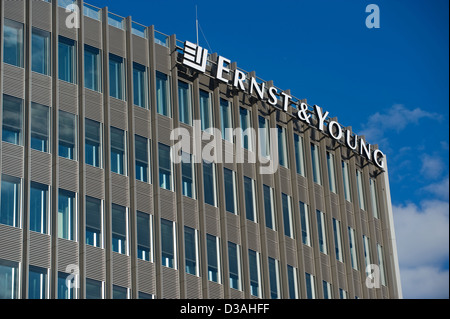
{"x":93,"y":206}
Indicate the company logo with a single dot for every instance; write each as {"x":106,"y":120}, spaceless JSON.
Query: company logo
{"x":195,"y":56}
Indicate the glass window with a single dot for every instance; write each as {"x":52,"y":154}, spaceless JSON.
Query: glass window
{"x":206,"y":111}
{"x":120,"y":292}
{"x":255,"y":273}
{"x":209,"y":183}
{"x":94,"y":222}
{"x":345,"y":177}
{"x":191,"y":254}
{"x":39,"y":204}
{"x":310,"y":286}
{"x":292,"y":282}
{"x":246,"y":138}
{"x":327,"y":293}
{"x":9,"y":279}
{"x":185,"y":102}
{"x":304,"y":216}
{"x":342,"y":294}
{"x":40,"y":55}
{"x":367,"y":259}
{"x":118,"y":151}
{"x":373,"y":197}
{"x":66,"y":215}
{"x":143,"y":295}
{"x":13,"y":43}
{"x":264,"y":136}
{"x":140,"y":85}
{"x":67,"y":135}
{"x":37,"y":283}
{"x":250,"y":204}
{"x":168,"y":243}
{"x":230,"y":190}
{"x":212,"y":246}
{"x":316,"y":163}
{"x":165,"y":167}
{"x":93,"y":143}
{"x":360,"y":187}
{"x":234,"y":265}
{"x":226,"y":120}
{"x":141,"y":150}
{"x":65,"y":292}
{"x":66,"y":59}
{"x":269,"y":211}
{"x":380,"y":254}
{"x":94,"y":289}
{"x":10,"y":201}
{"x":331,"y":172}
{"x":119,"y":229}
{"x":40,"y":127}
{"x":187,"y":172}
{"x":116,"y":77}
{"x":282,"y":146}
{"x":337,"y":239}
{"x":274,"y":279}
{"x":144,"y":236}
{"x":92,"y":68}
{"x":162,"y":94}
{"x":287,"y":215}
{"x":12,"y":120}
{"x":351,"y":237}
{"x":321,"y":231}
{"x":299,"y":154}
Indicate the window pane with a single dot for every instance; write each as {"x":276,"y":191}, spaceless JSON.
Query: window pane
{"x":92,"y":68}
{"x":190,"y":244}
{"x":187,"y":172}
{"x":40,"y":55}
{"x":226,"y":120}
{"x":380,"y":254}
{"x":66,"y":59}
{"x":94,"y":222}
{"x":167,"y":243}
{"x":119,"y":229}
{"x":67,"y":135}
{"x":250,"y":207}
{"x":292,"y":282}
{"x":66,"y":215}
{"x":117,"y":151}
{"x":246,"y":138}
{"x":162,"y":94}
{"x":37,"y":283}
{"x":116,"y":76}
{"x":264,"y":136}
{"x":367,"y":259}
{"x":326,"y":290}
{"x":93,"y":149}
{"x":165,"y":167}
{"x":316,"y":163}
{"x":213,"y":258}
{"x":9,"y":279}
{"x":253,"y":260}
{"x":38,"y":208}
{"x":63,"y":291}
{"x":141,"y":148}
{"x":140,"y":85}
{"x":185,"y":102}
{"x":287,"y":216}
{"x":144,"y":239}
{"x":360,"y":188}
{"x":230,"y":190}
{"x":304,"y":216}
{"x":274,"y":279}
{"x":337,"y":239}
{"x":120,"y":292}
{"x":12,"y":120}
{"x":234,"y":262}
{"x":299,"y":154}
{"x":351,"y":237}
{"x":282,"y":146}
{"x":209,"y":183}
{"x":373,"y":198}
{"x":346,"y":181}
{"x":268,"y":207}
{"x":40,"y":120}
{"x":331,"y":172}
{"x":321,"y":231}
{"x":13,"y":43}
{"x":10,"y":200}
{"x":310,"y":286}
{"x":206,"y":110}
{"x":94,"y":289}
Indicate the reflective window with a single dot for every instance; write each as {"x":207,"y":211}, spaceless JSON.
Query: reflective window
{"x":299,"y":154}
{"x":162,"y":94}
{"x":40,"y":55}
{"x":287,"y":216}
{"x":37,"y":283}
{"x":185,"y":102}
{"x":120,"y":292}
{"x":187,"y":173}
{"x":353,"y":253}
{"x":264,"y":136}
{"x":12,"y":120}
{"x":13,"y":43}
{"x":116,"y":77}
{"x":226,"y":120}
{"x":40,"y":127}
{"x":345,"y":177}
{"x":269,"y":211}
{"x":274,"y":279}
{"x":321,"y":231}
{"x":94,"y":289}
{"x":65,"y":292}
{"x":140,"y":85}
{"x":94,"y":222}
{"x":191,"y":254}
{"x":255,"y":273}
{"x":9,"y":279}
{"x":118,"y":150}
{"x":212,"y":246}
{"x":360,"y":188}
{"x":92,"y":68}
{"x":67,"y":135}
{"x":10,"y":201}
{"x":310,"y":286}
{"x":304,"y":218}
{"x":165,"y":167}
{"x":234,"y":265}
{"x":230,"y":190}
{"x":66,"y":215}
{"x":209,"y":183}
{"x":119,"y":218}
{"x":282,"y":147}
{"x":66,"y":59}
{"x":373,"y":197}
{"x":316,"y":164}
{"x":337,"y":239}
{"x":144,"y":236}
{"x":142,"y":156}
{"x":39,"y":204}
{"x":292,"y":282}
{"x":367,"y":259}
{"x":250,"y":203}
{"x":246,"y":138}
{"x":93,"y":143}
{"x":206,"y":111}
{"x":331,"y":172}
{"x":168,"y":243}
{"x":380,"y":254}
{"x":327,"y":293}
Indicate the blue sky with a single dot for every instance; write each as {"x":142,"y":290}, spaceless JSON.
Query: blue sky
{"x":390,"y":84}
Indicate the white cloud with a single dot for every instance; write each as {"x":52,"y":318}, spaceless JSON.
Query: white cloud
{"x":439,"y":189}
{"x":425,"y":283}
{"x":422,"y":234}
{"x":432,"y":166}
